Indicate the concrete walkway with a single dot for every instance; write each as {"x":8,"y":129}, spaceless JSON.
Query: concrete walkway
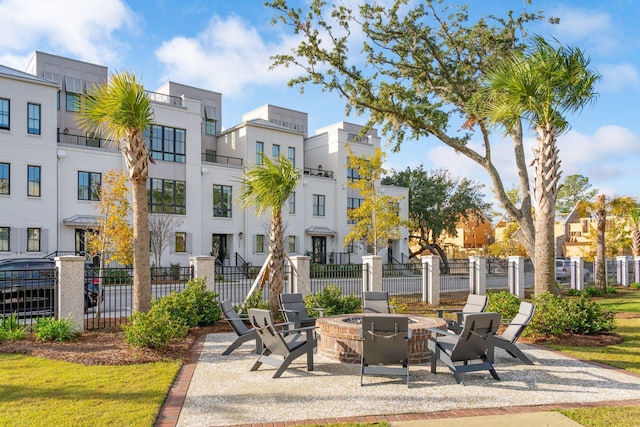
{"x":220,"y":390}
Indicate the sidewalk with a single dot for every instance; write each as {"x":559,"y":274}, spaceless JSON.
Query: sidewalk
{"x":220,"y":390}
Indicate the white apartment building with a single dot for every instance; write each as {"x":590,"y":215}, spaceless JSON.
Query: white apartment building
{"x":49,"y":170}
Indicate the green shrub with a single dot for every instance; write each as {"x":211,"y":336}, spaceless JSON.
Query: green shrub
{"x":611,"y":290}
{"x":10,"y":328}
{"x":196,"y":305}
{"x":254,"y":301}
{"x":332,"y":300}
{"x":174,"y":271}
{"x":50,"y":329}
{"x":557,"y":315}
{"x":116,"y":276}
{"x":503,"y":302}
{"x":635,"y":285}
{"x":154,"y":329}
{"x":593,"y":292}
{"x":574,"y":292}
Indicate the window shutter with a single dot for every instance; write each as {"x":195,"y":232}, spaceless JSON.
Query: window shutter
{"x":189,"y":240}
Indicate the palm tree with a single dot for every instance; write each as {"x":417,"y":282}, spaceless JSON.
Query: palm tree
{"x":540,"y":86}
{"x":600,"y":208}
{"x":120,"y":110}
{"x":634,"y":221}
{"x":267,"y":187}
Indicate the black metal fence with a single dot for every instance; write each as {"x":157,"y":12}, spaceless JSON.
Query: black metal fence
{"x":117,"y":293}
{"x":454,"y":281}
{"x":348,"y":277}
{"x":403,"y":282}
{"x":28,"y":294}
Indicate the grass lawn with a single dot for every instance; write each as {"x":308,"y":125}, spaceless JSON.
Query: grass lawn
{"x":41,"y":392}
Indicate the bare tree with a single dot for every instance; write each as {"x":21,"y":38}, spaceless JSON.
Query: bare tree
{"x":162,"y":227}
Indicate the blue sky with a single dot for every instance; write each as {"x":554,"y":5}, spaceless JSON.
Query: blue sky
{"x":225,"y":46}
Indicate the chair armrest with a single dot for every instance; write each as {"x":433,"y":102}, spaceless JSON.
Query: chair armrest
{"x":320,"y":309}
{"x":440,"y":332}
{"x":280,"y":326}
{"x":305,"y":329}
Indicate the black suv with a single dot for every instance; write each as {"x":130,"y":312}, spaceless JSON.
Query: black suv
{"x":27,"y":286}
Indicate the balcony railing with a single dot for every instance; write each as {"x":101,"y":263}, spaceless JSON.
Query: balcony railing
{"x":318,"y":172}
{"x":165,"y":99}
{"x":85,"y":141}
{"x":225,"y":160}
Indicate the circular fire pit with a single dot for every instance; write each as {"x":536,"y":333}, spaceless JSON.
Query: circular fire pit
{"x":340,"y":337}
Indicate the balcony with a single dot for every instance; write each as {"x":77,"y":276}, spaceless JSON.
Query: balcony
{"x":318,"y":172}
{"x":162,"y":98}
{"x":225,"y":160}
{"x":85,"y":141}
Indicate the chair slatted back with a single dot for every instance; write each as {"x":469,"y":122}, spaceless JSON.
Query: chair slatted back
{"x":232,"y":317}
{"x":294,"y":303}
{"x":476,"y":336}
{"x":519,"y":322}
{"x":375,"y":302}
{"x":475,"y":304}
{"x":264,"y":326}
{"x":385,"y":340}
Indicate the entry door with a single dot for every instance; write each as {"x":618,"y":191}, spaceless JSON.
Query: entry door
{"x":319,"y":245}
{"x":219,"y":247}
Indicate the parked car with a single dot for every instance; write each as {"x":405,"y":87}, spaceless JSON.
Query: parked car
{"x":563,"y":271}
{"x":27,"y":285}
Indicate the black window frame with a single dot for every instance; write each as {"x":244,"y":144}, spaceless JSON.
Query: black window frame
{"x":7,"y":178}
{"x":34,"y":123}
{"x":319,"y":205}
{"x":36,"y":182}
{"x":170,"y":199}
{"x":91,"y":189}
{"x":5,"y":112}
{"x":222,"y":196}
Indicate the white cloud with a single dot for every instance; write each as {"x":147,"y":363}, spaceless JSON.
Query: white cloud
{"x":80,"y":28}
{"x":617,"y":77}
{"x":594,"y":30}
{"x":228,"y":55}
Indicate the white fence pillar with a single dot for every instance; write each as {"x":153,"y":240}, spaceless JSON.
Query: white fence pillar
{"x":515,"y":277}
{"x":302,"y":280}
{"x":636,"y":269}
{"x":204,"y":267}
{"x":576,"y":268}
{"x":70,"y":301}
{"x":477,"y":275}
{"x":374,"y":264}
{"x":622,"y":270}
{"x":431,"y":279}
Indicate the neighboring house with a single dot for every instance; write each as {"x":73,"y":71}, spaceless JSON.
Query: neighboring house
{"x":50,"y":170}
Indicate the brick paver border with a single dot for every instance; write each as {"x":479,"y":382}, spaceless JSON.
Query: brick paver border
{"x":170,"y":411}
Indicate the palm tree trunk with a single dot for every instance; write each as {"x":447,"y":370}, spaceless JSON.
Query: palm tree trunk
{"x":545,"y":192}
{"x":141,"y":262}
{"x":276,"y":263}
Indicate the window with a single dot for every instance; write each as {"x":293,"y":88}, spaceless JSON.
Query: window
{"x":352,"y":174}
{"x":167,"y":196}
{"x":166,"y":143}
{"x":292,"y":245}
{"x":318,"y":204}
{"x":5,"y":233}
{"x":33,"y":181}
{"x":291,"y":154}
{"x":275,"y":151}
{"x":4,"y":178}
{"x":352,"y":203}
{"x":181,"y":241}
{"x":33,"y":119}
{"x":210,"y":123}
{"x":259,"y":152}
{"x":222,"y":201}
{"x":259,"y":243}
{"x":33,"y":240}
{"x":4,"y":113}
{"x":73,"y":102}
{"x":89,"y":185}
{"x":291,"y":203}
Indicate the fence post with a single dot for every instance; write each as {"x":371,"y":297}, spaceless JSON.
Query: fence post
{"x":204,"y":267}
{"x":70,"y":301}
{"x":477,"y":275}
{"x":515,"y":276}
{"x":622,"y":269}
{"x":302,"y":265}
{"x":431,"y":279}
{"x":577,"y":276}
{"x":374,"y":264}
{"x":636,"y":269}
